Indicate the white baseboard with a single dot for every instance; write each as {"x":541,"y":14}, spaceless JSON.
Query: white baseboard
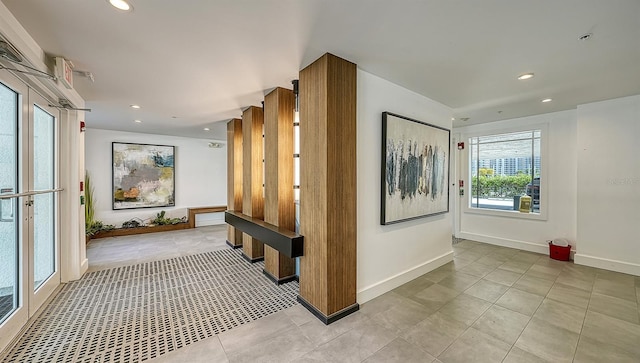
{"x":521,"y":245}
{"x":84,"y":266}
{"x":607,"y":264}
{"x":392,"y":282}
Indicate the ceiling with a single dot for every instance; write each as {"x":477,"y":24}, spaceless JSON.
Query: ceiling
{"x":192,"y":64}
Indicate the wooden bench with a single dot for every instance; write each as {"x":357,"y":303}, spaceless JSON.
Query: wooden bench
{"x":288,"y":242}
{"x":191,"y":212}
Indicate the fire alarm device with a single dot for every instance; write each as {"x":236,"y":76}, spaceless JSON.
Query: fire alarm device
{"x":83,"y":127}
{"x":460,"y":145}
{"x":461,"y":183}
{"x":81,"y":186}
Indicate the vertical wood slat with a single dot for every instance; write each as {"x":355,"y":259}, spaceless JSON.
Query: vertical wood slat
{"x":279,"y":208}
{"x":234,"y":177}
{"x":252,"y":178}
{"x":328,"y":215}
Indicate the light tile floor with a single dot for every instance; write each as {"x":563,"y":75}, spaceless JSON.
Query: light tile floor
{"x":113,"y":252}
{"x":491,"y":304}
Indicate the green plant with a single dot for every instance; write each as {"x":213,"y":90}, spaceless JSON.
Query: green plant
{"x":89,"y":208}
{"x":161,"y":220}
{"x":91,"y":225}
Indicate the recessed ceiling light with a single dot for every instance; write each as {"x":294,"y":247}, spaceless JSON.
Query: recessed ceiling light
{"x":121,"y":5}
{"x":546,"y":100}
{"x":522,"y":77}
{"x":206,"y":129}
{"x":453,"y":119}
{"x":137,"y":121}
{"x":135,"y":106}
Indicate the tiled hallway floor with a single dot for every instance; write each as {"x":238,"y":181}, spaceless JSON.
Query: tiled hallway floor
{"x":104,"y":253}
{"x":492,"y":304}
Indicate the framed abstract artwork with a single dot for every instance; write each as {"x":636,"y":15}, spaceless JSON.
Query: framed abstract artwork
{"x":143,"y":175}
{"x":415,"y":169}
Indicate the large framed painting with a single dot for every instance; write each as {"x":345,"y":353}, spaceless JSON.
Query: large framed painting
{"x":415,"y":169}
{"x":143,"y":175}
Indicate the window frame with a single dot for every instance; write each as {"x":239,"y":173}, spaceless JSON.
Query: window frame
{"x":544,"y":173}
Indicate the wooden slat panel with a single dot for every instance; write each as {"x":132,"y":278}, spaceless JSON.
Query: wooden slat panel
{"x":234,"y":176}
{"x":328,"y":184}
{"x":279,"y":206}
{"x":252,"y":193}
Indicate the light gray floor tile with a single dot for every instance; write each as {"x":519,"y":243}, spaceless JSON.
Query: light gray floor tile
{"x":475,"y":346}
{"x":435,"y":333}
{"x":319,"y":333}
{"x":492,"y":261}
{"x":548,"y":342}
{"x":204,"y":351}
{"x":520,"y":301}
{"x":617,"y":277}
{"x":477,"y":269}
{"x":460,"y":262}
{"x":459,"y":281}
{"x":503,"y":277}
{"x":465,"y":308}
{"x":561,"y":315}
{"x":299,"y":314}
{"x":502,"y":323}
{"x":317,"y":355}
{"x":400,"y":351}
{"x":435,"y":296}
{"x":517,"y":355}
{"x":403,"y":316}
{"x":381,"y":303}
{"x":526,"y":256}
{"x":440,"y":273}
{"x":360,"y":342}
{"x":516,"y":266}
{"x":544,"y":272}
{"x":533,"y":285}
{"x":580,"y":283}
{"x":593,"y":351}
{"x":252,"y":334}
{"x":471,"y":255}
{"x":612,"y":331}
{"x":569,"y":295}
{"x":623,"y":290}
{"x":615,"y":307}
{"x":414,"y":286}
{"x":283,"y":347}
{"x":487,"y":290}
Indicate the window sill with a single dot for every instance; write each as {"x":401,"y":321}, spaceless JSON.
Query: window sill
{"x":507,"y":213}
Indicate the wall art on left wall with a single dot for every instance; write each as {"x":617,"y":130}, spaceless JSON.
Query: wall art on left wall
{"x":415,"y":169}
{"x":143,"y":175}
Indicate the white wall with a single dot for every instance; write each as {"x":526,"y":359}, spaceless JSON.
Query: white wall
{"x":560,"y":173}
{"x":201,"y":175}
{"x":609,"y":184}
{"x":389,"y":256}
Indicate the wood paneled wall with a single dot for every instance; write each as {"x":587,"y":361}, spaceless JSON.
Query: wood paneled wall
{"x":234,"y":177}
{"x":328,"y":187}
{"x":279,"y":208}
{"x":252,"y":179}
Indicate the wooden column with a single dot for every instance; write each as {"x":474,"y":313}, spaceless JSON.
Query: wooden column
{"x":279,"y":208}
{"x":234,"y":177}
{"x":328,"y":217}
{"x":252,"y":173}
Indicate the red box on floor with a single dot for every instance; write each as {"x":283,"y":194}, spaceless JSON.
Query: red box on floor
{"x":559,"y":253}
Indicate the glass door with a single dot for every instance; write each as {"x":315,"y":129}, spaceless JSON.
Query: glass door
{"x":29,"y":243}
{"x":42,"y":205}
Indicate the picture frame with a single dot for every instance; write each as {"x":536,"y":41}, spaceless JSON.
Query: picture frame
{"x":415,"y":169}
{"x":143,"y":175}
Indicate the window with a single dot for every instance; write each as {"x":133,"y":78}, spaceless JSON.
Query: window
{"x":504,"y":167}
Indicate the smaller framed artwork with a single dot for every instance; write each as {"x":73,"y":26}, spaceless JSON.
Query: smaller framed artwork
{"x":415,"y":169}
{"x":143,"y":175}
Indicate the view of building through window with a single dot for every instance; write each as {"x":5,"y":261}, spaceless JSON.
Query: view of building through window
{"x":504,"y":167}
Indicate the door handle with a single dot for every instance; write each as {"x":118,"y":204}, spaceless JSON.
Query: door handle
{"x":6,"y":206}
